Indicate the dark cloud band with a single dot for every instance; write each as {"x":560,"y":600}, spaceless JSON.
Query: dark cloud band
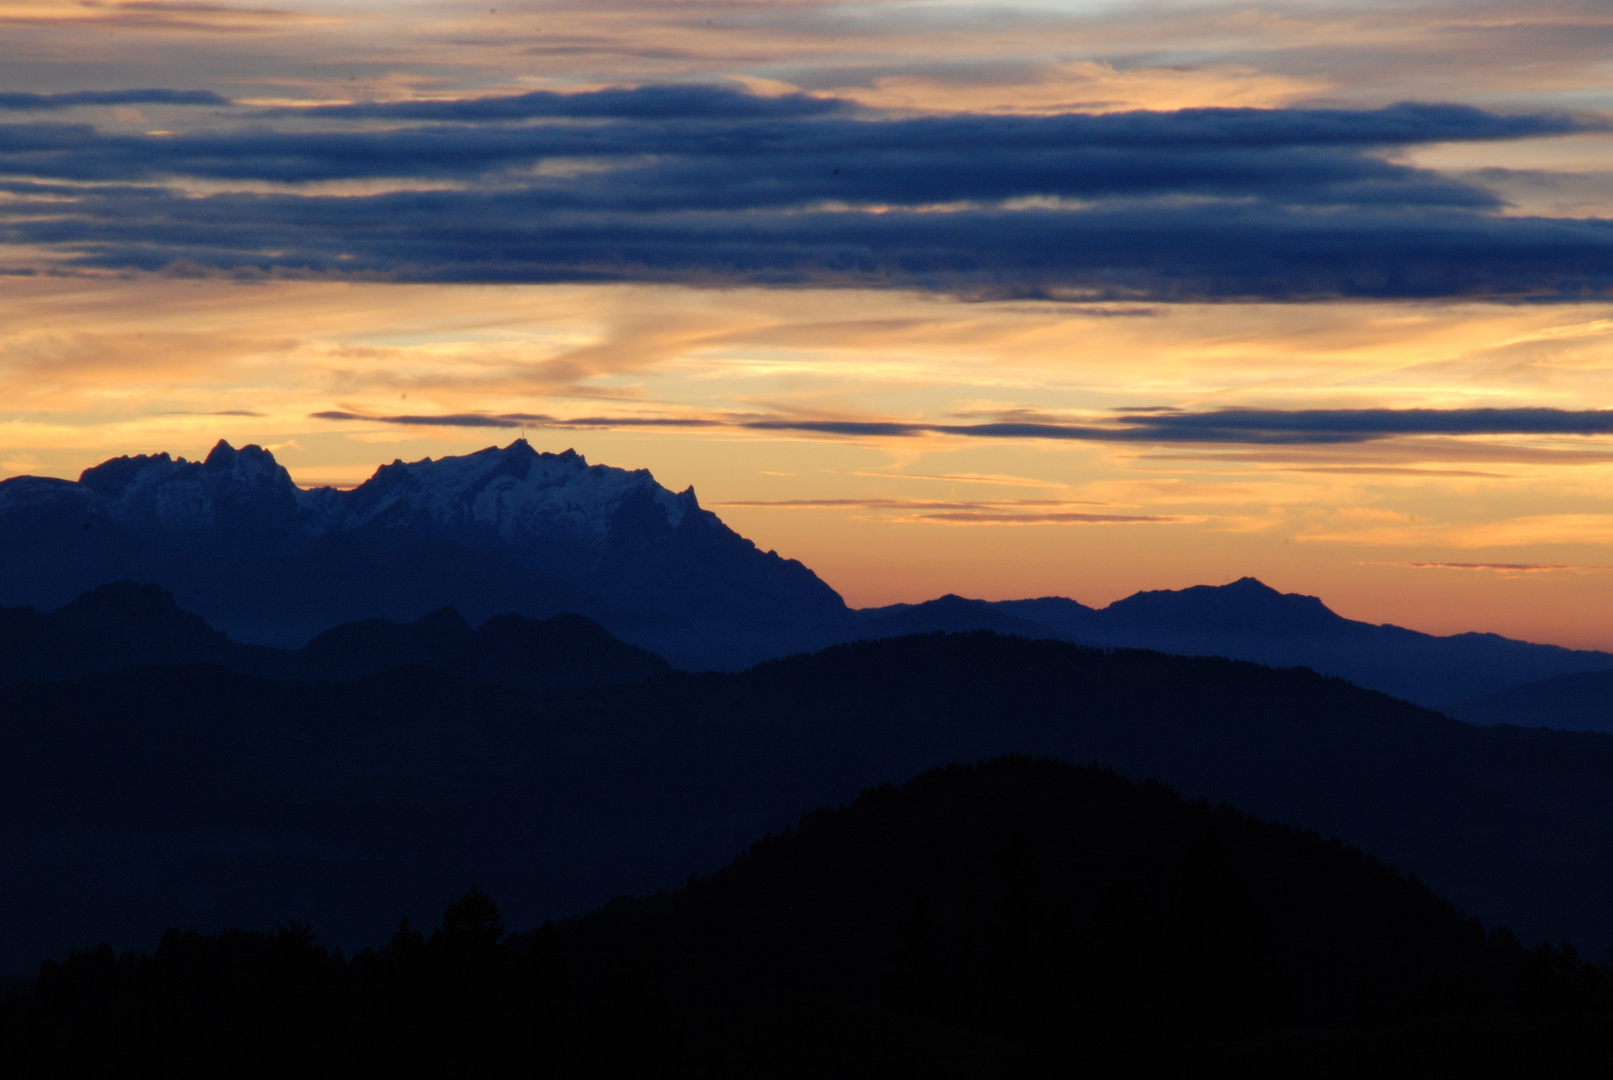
{"x":712,"y":186}
{"x":614,"y":103}
{"x":26,"y":102}
{"x":1248,"y":426}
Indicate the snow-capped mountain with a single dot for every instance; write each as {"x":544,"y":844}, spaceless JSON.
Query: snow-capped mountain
{"x":518,"y":492}
{"x":503,"y":529}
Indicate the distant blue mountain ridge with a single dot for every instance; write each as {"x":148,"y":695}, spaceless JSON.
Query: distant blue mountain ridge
{"x":515,"y":531}
{"x":1247,"y":620}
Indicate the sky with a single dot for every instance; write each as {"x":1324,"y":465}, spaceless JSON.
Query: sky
{"x":1004,"y":300}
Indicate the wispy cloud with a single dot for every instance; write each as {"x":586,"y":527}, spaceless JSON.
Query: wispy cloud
{"x":510,"y":421}
{"x":973,"y":512}
{"x":965,"y":517}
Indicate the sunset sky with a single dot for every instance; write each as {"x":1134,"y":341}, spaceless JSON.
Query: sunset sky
{"x":1008,"y":299}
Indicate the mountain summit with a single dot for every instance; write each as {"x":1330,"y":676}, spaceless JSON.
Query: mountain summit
{"x":235,"y":540}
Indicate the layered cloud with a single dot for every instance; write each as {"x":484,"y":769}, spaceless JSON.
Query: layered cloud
{"x":709,"y":184}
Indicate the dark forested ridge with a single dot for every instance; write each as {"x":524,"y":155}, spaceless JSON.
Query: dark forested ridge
{"x":195,"y":795}
{"x":1016,"y":918}
{"x":127,"y":624}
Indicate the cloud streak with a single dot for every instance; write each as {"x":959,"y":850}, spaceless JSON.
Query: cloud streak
{"x":999,"y":512}
{"x":32,"y":102}
{"x":1322,"y":427}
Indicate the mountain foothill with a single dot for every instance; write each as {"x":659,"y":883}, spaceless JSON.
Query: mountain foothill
{"x":1221,"y":825}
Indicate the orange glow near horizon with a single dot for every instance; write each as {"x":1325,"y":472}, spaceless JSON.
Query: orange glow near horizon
{"x":1444,"y":534}
{"x":1511,"y":534}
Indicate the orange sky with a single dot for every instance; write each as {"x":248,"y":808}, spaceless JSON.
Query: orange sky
{"x":1441,"y":533}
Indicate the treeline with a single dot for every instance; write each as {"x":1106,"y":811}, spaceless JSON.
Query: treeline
{"x":1019,"y":917}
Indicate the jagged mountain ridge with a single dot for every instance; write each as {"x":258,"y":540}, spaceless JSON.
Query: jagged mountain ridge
{"x":515,"y":492}
{"x":511,"y":529}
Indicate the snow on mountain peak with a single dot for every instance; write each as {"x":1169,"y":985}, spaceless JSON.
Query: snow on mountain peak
{"x":183,"y":494}
{"x":515,"y":489}
{"x":520,"y":493}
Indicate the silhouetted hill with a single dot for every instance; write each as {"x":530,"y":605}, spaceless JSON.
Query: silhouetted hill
{"x":1244,"y":607}
{"x":1579,"y":702}
{"x":500,"y":530}
{"x":561,"y":653}
{"x":209,"y":798}
{"x":1247,"y":620}
{"x":119,"y":625}
{"x":128,"y":625}
{"x":948,"y":614}
{"x":1019,"y":918}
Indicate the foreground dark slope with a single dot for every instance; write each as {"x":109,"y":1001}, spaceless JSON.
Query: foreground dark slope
{"x":200,"y":796}
{"x":1022,"y":917}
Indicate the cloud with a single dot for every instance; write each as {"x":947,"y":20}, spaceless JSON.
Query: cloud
{"x":774,"y":152}
{"x":1396,"y":470}
{"x":1258,"y":427}
{"x":1365,"y":526}
{"x":961,"y":517}
{"x":616,"y":103}
{"x":933,"y":511}
{"x":1250,"y":426}
{"x":508,"y":421}
{"x":1126,"y":253}
{"x":1361,"y":425}
{"x":709,"y":185}
{"x":30,"y":102}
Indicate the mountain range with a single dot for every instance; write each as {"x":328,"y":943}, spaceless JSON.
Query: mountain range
{"x":501,"y":530}
{"x":514,"y":531}
{"x":471,"y":696}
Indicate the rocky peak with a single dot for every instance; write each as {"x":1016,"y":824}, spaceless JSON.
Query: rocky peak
{"x":250,"y":466}
{"x":517,"y":490}
{"x":112,"y":478}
